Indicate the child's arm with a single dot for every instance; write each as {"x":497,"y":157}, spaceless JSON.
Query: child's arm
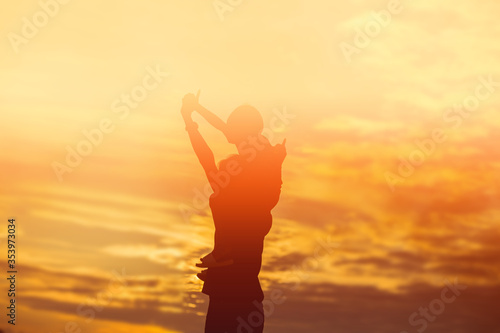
{"x":212,"y":119}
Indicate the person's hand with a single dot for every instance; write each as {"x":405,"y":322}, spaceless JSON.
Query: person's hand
{"x":190,"y":103}
{"x":209,"y":261}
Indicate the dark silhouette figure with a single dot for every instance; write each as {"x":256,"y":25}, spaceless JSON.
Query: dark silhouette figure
{"x":246,"y":187}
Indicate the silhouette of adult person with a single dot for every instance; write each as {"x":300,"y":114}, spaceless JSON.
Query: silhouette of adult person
{"x":246,"y":187}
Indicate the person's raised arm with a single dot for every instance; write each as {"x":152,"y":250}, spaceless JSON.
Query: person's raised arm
{"x":201,"y":148}
{"x":212,"y":119}
{"x":209,"y":116}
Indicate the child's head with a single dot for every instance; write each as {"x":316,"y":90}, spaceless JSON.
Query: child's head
{"x":243,"y":122}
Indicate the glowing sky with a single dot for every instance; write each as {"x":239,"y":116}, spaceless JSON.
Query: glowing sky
{"x":349,"y":250}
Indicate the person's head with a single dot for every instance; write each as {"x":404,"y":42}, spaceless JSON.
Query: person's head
{"x":243,"y":122}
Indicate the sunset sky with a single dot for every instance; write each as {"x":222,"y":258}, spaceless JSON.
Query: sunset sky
{"x":391,"y":186}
